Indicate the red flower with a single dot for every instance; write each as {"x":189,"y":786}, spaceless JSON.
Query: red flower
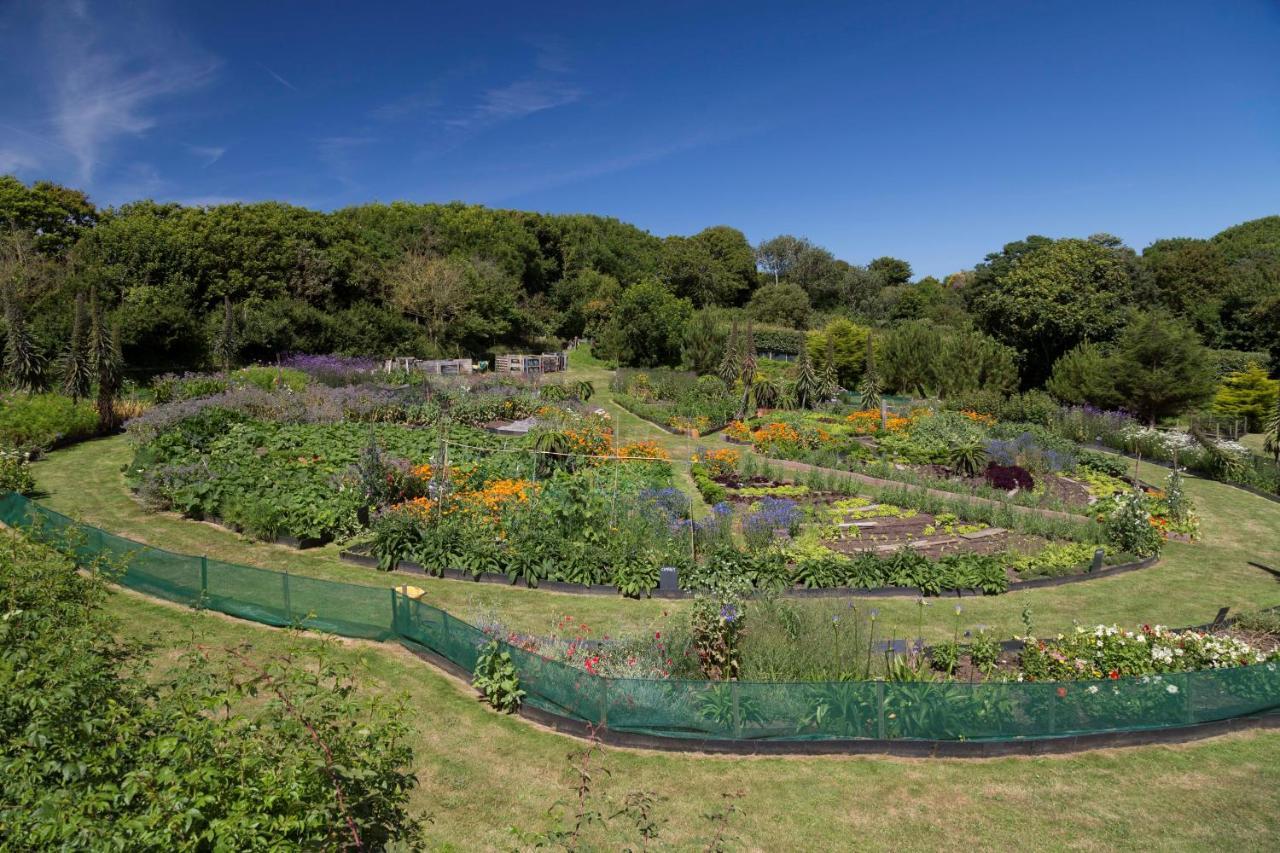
{"x":657,"y":635}
{"x":1062,"y":692}
{"x":1113,"y":674}
{"x":591,"y":663}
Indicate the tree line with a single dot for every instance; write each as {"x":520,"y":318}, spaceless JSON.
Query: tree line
{"x":456,"y":279}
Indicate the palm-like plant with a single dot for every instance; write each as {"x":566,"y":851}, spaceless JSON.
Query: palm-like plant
{"x":584,"y":389}
{"x":553,"y":452}
{"x":553,"y":393}
{"x":768,"y":392}
{"x":869,"y":392}
{"x":967,"y":457}
{"x":1271,"y":433}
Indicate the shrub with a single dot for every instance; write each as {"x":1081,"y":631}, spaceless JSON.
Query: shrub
{"x":1130,"y":528}
{"x":271,"y":378}
{"x":39,"y":421}
{"x":15,"y":474}
{"x":1008,"y":477}
{"x":103,"y":748}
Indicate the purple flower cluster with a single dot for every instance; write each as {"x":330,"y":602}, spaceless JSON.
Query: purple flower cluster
{"x":317,"y":404}
{"x":334,"y":370}
{"x":773,"y":514}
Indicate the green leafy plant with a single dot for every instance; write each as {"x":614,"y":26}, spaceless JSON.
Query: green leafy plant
{"x":497,"y":679}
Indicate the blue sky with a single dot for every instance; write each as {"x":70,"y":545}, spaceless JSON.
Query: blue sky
{"x":934,"y":132}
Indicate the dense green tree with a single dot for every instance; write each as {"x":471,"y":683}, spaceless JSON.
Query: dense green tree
{"x":919,"y":357}
{"x":890,"y":272}
{"x":693,"y":271}
{"x":733,"y":253}
{"x":703,"y":343}
{"x":785,"y":304}
{"x":1046,"y":300}
{"x":1085,"y":375}
{"x":54,"y":215}
{"x":1162,"y":369}
{"x":1189,"y":278}
{"x":647,"y":327}
{"x":847,"y":341}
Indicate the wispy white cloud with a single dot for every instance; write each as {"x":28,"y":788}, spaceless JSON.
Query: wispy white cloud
{"x":338,"y":154}
{"x":277,"y":77}
{"x":519,"y":99}
{"x":13,"y":161}
{"x":210,"y":154}
{"x":107,"y":80}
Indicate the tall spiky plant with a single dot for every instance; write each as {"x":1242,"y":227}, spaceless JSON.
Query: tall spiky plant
{"x":829,"y":377}
{"x":106,"y":363}
{"x":731,"y":362}
{"x":224,"y":345}
{"x":749,"y":356}
{"x":869,"y":389}
{"x":23,"y":361}
{"x":808,"y":387}
{"x":77,"y":373}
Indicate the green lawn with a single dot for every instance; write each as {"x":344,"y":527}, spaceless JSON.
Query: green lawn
{"x":481,"y":772}
{"x":1187,"y":587}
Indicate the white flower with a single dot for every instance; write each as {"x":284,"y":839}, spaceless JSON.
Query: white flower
{"x":1093,"y":688}
{"x":1172,"y":688}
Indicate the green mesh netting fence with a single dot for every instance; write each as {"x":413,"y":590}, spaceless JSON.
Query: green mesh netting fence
{"x":672,"y":708}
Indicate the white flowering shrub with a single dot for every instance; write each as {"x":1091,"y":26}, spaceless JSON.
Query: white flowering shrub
{"x":1109,"y":652}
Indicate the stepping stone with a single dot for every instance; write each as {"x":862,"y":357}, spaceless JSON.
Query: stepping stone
{"x":984,"y":534}
{"x":929,"y":543}
{"x":845,"y":525}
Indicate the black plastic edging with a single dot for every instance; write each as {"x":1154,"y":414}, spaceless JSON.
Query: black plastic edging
{"x":410,"y":568}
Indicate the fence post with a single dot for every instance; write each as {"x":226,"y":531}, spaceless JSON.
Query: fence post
{"x":288,"y":606}
{"x":395,"y":614}
{"x":204,"y":575}
{"x":880,"y":732}
{"x":604,"y":702}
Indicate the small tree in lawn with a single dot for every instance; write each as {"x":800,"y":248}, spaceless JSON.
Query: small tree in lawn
{"x":1162,"y":368}
{"x":105,"y":362}
{"x":77,"y":373}
{"x":23,"y":360}
{"x":224,"y":345}
{"x":1247,"y":394}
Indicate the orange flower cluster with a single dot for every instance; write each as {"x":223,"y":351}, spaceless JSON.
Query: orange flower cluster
{"x":496,"y":495}
{"x":776,"y":433}
{"x":867,"y":422}
{"x":738,"y":431}
{"x":643,"y":450}
{"x":589,"y":441}
{"x":422,"y":472}
{"x":718,"y":462}
{"x":978,"y":417}
{"x":421,"y":507}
